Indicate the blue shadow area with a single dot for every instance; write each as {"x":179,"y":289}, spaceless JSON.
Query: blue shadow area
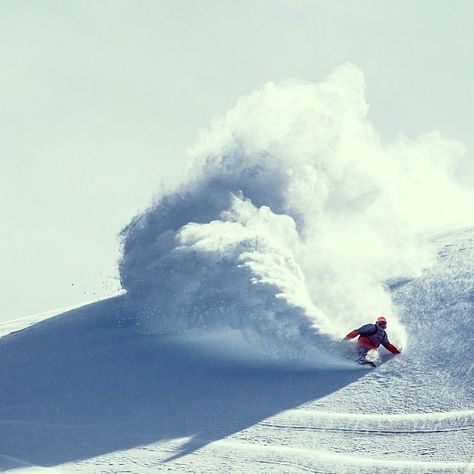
{"x":86,"y":383}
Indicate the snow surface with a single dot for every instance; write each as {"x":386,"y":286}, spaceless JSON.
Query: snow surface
{"x":294,"y":226}
{"x":85,"y":391}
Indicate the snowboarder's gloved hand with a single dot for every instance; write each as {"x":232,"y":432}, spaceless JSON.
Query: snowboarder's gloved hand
{"x":392,"y":348}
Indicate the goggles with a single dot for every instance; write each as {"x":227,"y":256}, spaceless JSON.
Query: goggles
{"x":381,"y":324}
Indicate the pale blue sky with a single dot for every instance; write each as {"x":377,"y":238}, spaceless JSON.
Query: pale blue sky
{"x":100,"y":99}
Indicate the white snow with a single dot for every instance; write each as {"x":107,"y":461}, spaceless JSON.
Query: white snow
{"x":295,"y":226}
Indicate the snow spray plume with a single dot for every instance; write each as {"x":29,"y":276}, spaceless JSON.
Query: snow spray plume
{"x":292,"y":220}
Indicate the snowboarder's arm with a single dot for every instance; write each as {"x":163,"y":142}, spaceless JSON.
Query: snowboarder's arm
{"x":352,"y":334}
{"x":391,"y":348}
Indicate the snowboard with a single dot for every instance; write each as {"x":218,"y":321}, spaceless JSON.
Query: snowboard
{"x":371,"y":359}
{"x":374,"y":359}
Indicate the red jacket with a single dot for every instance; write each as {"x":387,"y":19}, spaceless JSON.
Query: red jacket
{"x":371,"y":336}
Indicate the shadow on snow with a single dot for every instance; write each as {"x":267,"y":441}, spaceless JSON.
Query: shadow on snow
{"x":86,"y":383}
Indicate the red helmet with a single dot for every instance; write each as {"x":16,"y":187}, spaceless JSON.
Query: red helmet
{"x":381,"y":321}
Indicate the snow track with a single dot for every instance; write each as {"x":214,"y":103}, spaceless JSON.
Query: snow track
{"x":370,"y":423}
{"x":300,"y":440}
{"x":286,"y":459}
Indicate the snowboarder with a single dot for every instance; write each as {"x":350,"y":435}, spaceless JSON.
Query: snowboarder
{"x":370,"y":337}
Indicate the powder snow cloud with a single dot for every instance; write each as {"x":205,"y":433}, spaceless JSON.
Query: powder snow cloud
{"x":292,"y":220}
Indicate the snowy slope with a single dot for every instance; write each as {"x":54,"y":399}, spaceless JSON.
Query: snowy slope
{"x":85,"y":392}
{"x":295,"y":225}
